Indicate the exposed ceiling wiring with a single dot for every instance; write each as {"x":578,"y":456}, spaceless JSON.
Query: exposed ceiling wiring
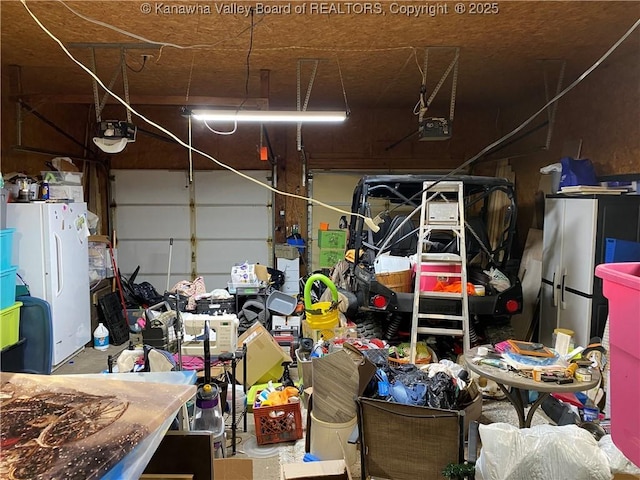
{"x":138,"y":70}
{"x":130,"y":109}
{"x":519,"y":128}
{"x":146,"y":40}
{"x":246,"y":80}
{"x":368,"y":220}
{"x":214,"y":46}
{"x":218,"y":132}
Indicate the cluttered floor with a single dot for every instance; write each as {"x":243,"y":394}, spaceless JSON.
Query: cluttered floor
{"x":267,"y":459}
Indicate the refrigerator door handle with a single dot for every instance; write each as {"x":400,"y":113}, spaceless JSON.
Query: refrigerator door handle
{"x":59,"y":276}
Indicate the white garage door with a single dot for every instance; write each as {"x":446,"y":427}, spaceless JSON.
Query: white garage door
{"x":219,"y":220}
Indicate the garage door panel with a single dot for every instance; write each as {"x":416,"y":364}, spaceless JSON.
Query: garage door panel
{"x":214,"y":256}
{"x":232,"y":222}
{"x":153,"y":256}
{"x":150,"y":187}
{"x":154,"y":222}
{"x":224,"y":188}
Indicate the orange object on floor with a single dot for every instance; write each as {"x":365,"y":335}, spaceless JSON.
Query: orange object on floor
{"x":455,"y":287}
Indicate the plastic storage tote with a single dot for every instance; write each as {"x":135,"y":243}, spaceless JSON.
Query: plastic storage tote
{"x":7,"y":287}
{"x":621,"y":285}
{"x":10,"y":325}
{"x":6,"y":247}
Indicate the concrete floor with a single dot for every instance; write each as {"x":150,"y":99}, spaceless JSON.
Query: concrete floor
{"x":267,"y":459}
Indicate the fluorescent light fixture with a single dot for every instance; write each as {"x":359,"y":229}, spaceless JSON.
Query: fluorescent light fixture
{"x":268,"y":116}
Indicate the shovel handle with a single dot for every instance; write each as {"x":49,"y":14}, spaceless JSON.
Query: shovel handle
{"x":307,"y":288}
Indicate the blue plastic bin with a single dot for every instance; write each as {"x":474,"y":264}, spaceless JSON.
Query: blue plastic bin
{"x":7,"y":287}
{"x":6,"y":247}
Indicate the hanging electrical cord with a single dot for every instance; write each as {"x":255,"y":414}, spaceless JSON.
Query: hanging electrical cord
{"x":344,"y":91}
{"x":138,"y":70}
{"x":213,"y":45}
{"x":217,"y":132}
{"x":367,"y":220}
{"x":246,"y":80}
{"x":146,"y":40}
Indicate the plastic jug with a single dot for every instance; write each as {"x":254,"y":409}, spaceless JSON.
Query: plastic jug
{"x":101,"y":337}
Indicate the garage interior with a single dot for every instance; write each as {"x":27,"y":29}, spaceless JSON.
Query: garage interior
{"x":520,"y":85}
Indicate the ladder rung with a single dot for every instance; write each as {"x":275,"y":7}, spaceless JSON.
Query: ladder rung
{"x":440,"y":274}
{"x":440,"y":316}
{"x":441,"y":331}
{"x":450,"y":295}
{"x":442,"y":257}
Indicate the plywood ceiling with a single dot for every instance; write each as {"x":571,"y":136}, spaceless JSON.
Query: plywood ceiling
{"x":378,"y":52}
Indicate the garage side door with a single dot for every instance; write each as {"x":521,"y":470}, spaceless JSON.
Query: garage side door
{"x":335,"y":189}
{"x":219,"y":220}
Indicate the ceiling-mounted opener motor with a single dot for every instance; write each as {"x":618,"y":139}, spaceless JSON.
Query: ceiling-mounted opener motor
{"x":436,"y":128}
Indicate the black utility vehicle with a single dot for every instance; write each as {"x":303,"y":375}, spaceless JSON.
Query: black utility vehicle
{"x":393,"y":198}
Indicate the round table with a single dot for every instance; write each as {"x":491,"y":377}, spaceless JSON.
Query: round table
{"x":519,"y":383}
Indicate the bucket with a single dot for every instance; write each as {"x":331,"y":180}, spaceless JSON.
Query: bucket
{"x":322,"y":315}
{"x":399,"y":282}
{"x":329,"y":441}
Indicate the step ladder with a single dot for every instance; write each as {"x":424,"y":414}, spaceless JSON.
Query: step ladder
{"x":442,"y":210}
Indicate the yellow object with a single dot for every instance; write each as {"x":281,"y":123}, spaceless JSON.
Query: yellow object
{"x":321,"y":315}
{"x":566,"y":331}
{"x":206,"y":388}
{"x":350,"y":255}
{"x":571,"y":369}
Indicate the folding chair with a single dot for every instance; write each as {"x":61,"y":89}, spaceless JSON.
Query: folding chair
{"x":404,"y":442}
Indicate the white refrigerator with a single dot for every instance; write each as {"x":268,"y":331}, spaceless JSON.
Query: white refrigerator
{"x":50,"y":250}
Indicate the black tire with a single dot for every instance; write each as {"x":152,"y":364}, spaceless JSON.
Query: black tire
{"x":370,"y":326}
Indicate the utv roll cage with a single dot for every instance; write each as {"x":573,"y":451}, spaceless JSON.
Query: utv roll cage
{"x":396,"y":199}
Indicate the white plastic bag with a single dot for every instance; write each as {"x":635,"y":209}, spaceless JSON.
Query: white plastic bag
{"x":619,"y":463}
{"x":542,"y":452}
{"x":499,"y":280}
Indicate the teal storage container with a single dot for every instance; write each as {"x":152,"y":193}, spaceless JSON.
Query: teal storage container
{"x":7,"y":287}
{"x":6,"y":247}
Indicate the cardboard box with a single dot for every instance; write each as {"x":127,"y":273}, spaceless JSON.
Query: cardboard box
{"x":286,"y":251}
{"x":166,"y":476}
{"x":232,"y":469}
{"x":66,"y":192}
{"x":336,"y":239}
{"x":326,"y":470}
{"x":264,"y":354}
{"x":327,"y":258}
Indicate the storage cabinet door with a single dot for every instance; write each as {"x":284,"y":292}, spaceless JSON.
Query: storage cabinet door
{"x":552,"y":237}
{"x":579,"y":244}
{"x":548,"y":314}
{"x":551,"y":264}
{"x":576,"y":316}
